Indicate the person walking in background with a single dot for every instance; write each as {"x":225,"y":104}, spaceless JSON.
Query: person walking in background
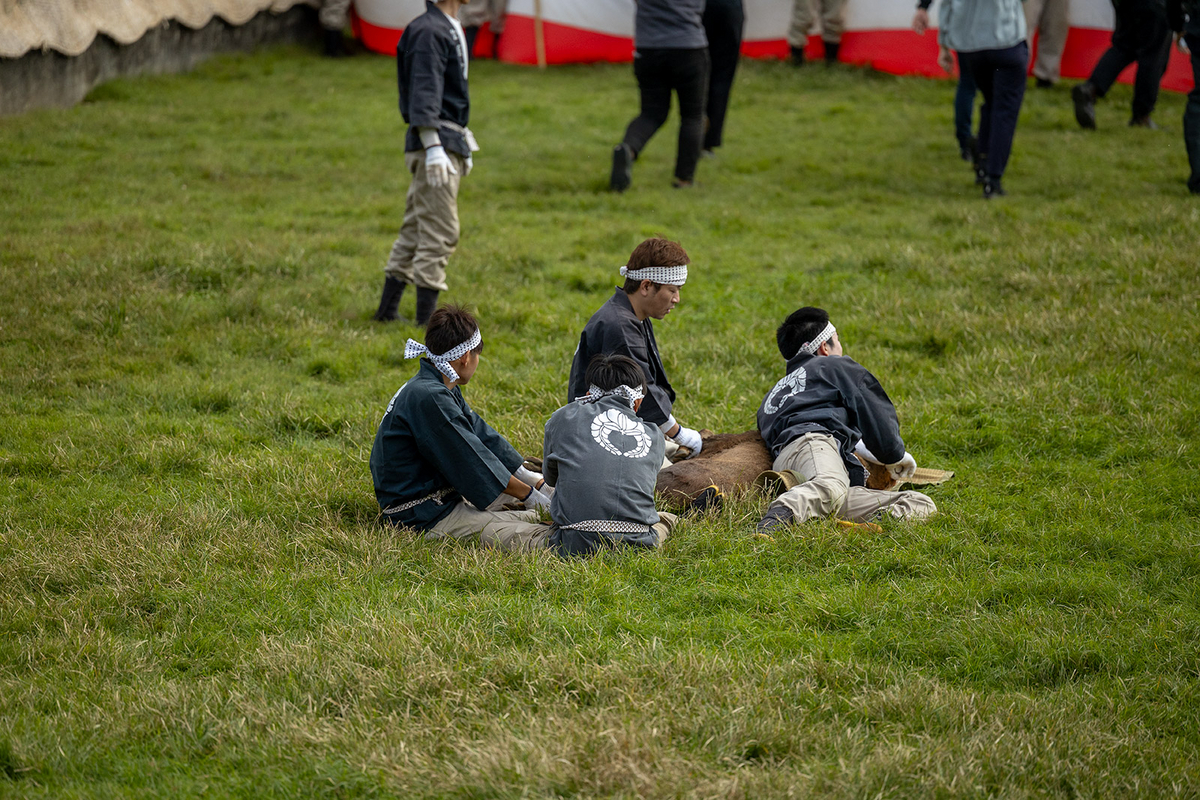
{"x":431,"y":69}
{"x":1184,"y":16}
{"x":333,"y":16}
{"x":833,"y":22}
{"x":1050,"y":19}
{"x":723,"y":22}
{"x":670,"y":55}
{"x":1141,"y":34}
{"x":964,"y":94}
{"x":474,"y":16}
{"x":989,"y":36}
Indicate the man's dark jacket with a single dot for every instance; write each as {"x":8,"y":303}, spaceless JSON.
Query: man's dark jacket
{"x":433,"y":87}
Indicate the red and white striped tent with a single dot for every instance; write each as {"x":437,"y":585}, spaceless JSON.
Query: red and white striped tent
{"x":877,"y":33}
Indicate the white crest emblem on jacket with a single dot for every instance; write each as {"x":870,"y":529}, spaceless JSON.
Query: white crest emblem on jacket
{"x":790,"y":384}
{"x":613,"y":421}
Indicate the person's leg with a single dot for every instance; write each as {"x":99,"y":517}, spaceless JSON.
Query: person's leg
{"x":663,"y":527}
{"x":691,"y":84}
{"x":816,"y":458}
{"x":865,"y":505}
{"x":518,"y":531}
{"x":979,"y":66}
{"x":964,"y":107}
{"x":1191,"y":118}
{"x":437,"y":237}
{"x":1053,"y":26}
{"x":1119,"y":55}
{"x":801,"y":24}
{"x":1008,"y":91}
{"x":1152,"y":58}
{"x":652,"y":70}
{"x":723,"y":23}
{"x":833,"y":24}
{"x":399,"y":263}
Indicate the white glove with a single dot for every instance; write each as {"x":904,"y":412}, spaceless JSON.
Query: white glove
{"x":861,"y":450}
{"x":686,"y":437}
{"x":903,"y":469}
{"x":537,"y":501}
{"x":470,"y":164}
{"x":527,"y":475}
{"x":438,"y":166}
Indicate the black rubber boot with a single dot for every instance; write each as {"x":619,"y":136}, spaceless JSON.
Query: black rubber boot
{"x":831,"y":52}
{"x":797,"y":56}
{"x":1084,"y":98}
{"x":334,"y":46}
{"x":393,"y":290}
{"x":426,"y":304}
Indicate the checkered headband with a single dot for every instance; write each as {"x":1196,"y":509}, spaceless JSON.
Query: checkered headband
{"x":414,"y":349}
{"x":675,"y":276}
{"x":630,"y":394}
{"x":812,"y":347}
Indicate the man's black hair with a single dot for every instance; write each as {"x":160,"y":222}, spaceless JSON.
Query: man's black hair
{"x":448,"y":327}
{"x":610,"y":371}
{"x":801,"y":327}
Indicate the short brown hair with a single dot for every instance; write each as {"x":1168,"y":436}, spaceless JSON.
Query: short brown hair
{"x":656,"y":252}
{"x":449,"y":327}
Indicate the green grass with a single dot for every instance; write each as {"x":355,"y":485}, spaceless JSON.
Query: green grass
{"x":195,"y":596}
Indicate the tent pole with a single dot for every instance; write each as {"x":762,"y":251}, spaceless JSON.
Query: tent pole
{"x":539,"y":34}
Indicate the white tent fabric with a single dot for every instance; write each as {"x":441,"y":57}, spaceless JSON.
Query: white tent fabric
{"x":70,"y":26}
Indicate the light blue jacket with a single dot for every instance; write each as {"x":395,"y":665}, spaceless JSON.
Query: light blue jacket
{"x":971,"y":25}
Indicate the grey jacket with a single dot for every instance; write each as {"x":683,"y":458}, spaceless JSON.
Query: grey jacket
{"x":972,"y":25}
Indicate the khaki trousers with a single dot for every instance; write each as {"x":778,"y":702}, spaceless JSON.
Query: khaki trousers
{"x":517,"y":531}
{"x":826,"y":491}
{"x":1050,"y":20}
{"x":429,"y":232}
{"x":663,"y":527}
{"x":833,"y":21}
{"x":334,"y":14}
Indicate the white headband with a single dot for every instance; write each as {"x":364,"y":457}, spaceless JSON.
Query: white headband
{"x":413,"y":349}
{"x":675,"y":276}
{"x":812,"y":347}
{"x":631,"y":394}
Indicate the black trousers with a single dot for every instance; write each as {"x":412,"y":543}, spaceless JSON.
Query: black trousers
{"x":1000,"y":76}
{"x":1141,"y":34}
{"x":723,"y":22}
{"x":659,"y":71}
{"x":1191,"y":117}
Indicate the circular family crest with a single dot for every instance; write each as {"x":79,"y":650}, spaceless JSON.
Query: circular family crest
{"x":613,"y":421}
{"x":790,"y":384}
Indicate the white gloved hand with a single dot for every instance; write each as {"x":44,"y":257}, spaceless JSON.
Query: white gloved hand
{"x":527,"y":475}
{"x":438,"y":166}
{"x":861,"y":450}
{"x":686,"y":437}
{"x":903,"y":469}
{"x":537,"y":501}
{"x":470,"y":165}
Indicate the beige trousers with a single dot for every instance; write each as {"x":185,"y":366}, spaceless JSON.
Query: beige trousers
{"x":833,"y":20}
{"x":663,"y":527}
{"x":1050,"y":19}
{"x":429,"y":232}
{"x":826,"y":491}
{"x":334,"y":14}
{"x":518,"y":531}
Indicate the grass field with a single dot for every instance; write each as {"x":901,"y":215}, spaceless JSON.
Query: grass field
{"x":196,"y":598}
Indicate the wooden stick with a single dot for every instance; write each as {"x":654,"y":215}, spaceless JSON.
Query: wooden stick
{"x":539,"y":34}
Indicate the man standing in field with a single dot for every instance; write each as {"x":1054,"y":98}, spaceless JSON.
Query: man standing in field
{"x":437,"y":465}
{"x":816,"y":417}
{"x":655,"y":271}
{"x":431,"y":67}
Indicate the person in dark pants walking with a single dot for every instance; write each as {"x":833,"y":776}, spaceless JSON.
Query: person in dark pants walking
{"x":1184,"y":16}
{"x":1141,"y":34}
{"x":723,"y":22}
{"x":671,"y":55}
{"x":989,"y":36}
{"x":964,"y":93}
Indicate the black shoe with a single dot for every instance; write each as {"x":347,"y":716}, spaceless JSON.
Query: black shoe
{"x":777,"y":517}
{"x":797,"y":57}
{"x":1043,"y":83}
{"x":426,"y":303}
{"x":676,"y":183}
{"x":831,"y":52}
{"x":980,"y":166}
{"x":1144,"y":122}
{"x":1084,"y":97}
{"x":968,"y":149}
{"x":335,"y":46}
{"x":711,"y":499}
{"x":393,"y":290}
{"x":622,"y":168}
{"x":992,"y":188}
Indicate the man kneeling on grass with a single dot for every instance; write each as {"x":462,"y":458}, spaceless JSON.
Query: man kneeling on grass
{"x":825,"y":409}
{"x":602,"y":460}
{"x":437,"y":466}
